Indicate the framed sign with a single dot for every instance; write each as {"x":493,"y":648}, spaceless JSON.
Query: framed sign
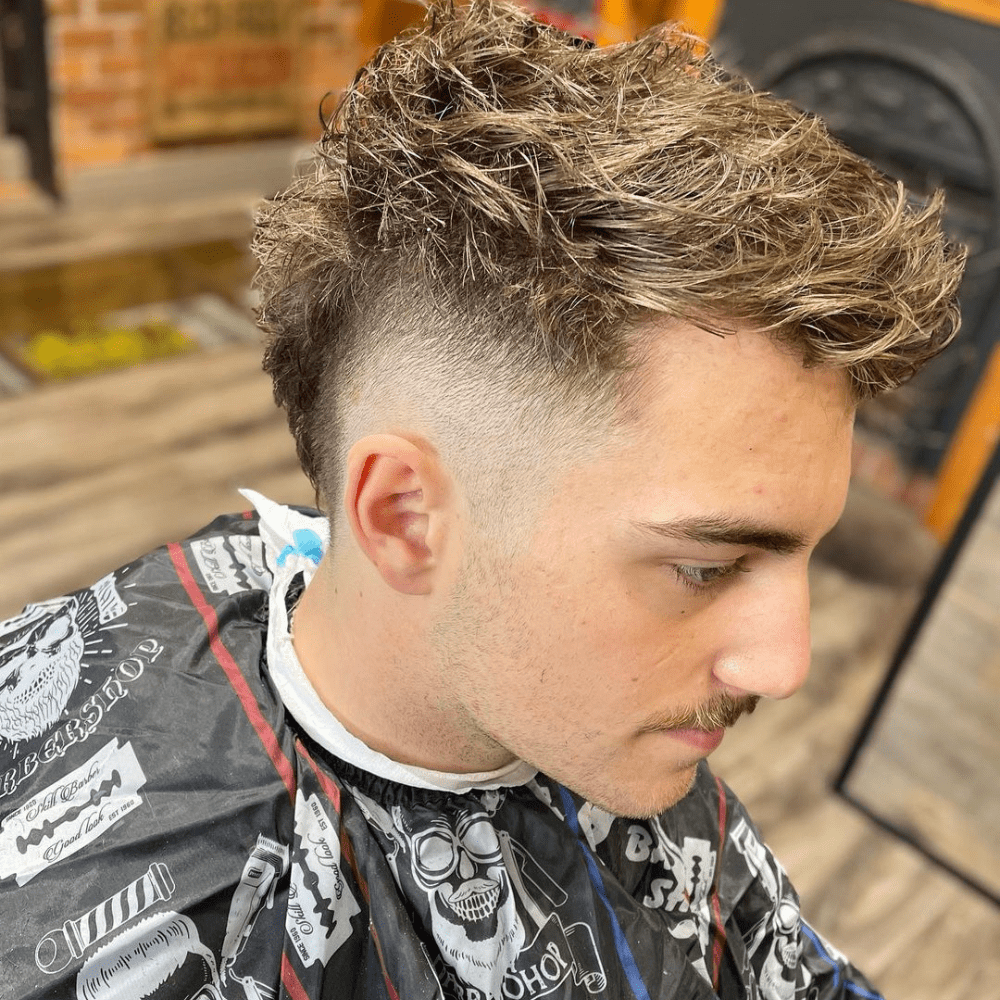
{"x":223,"y":68}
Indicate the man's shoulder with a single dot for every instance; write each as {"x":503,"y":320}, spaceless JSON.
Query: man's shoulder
{"x":130,"y":653}
{"x":121,"y":705}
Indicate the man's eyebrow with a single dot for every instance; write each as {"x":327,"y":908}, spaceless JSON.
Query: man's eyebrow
{"x":718,"y":530}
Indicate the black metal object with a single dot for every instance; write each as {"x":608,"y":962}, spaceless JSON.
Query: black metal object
{"x":26,"y":86}
{"x":930,"y":596}
{"x":913,"y":89}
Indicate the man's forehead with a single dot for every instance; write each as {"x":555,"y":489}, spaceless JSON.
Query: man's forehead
{"x":677,"y":358}
{"x":732,"y":441}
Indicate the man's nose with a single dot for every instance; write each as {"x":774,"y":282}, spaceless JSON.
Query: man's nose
{"x":767,"y":651}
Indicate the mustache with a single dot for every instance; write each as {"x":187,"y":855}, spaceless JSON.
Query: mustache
{"x":720,"y":712}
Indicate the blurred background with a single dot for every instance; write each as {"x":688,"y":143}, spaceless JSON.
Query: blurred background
{"x":136,"y":137}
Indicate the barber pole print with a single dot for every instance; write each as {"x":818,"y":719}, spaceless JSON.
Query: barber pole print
{"x":160,"y":957}
{"x":60,"y":946}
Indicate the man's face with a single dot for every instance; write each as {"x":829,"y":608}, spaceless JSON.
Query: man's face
{"x":663,"y":576}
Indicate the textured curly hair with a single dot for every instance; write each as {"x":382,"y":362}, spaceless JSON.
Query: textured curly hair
{"x":544,"y":195}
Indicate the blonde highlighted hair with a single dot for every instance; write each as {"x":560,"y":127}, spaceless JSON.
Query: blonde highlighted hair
{"x":546,"y":195}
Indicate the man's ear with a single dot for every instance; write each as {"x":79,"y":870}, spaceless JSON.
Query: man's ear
{"x":396,"y":498}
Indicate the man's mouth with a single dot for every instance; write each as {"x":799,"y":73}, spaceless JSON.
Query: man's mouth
{"x":705,"y":740}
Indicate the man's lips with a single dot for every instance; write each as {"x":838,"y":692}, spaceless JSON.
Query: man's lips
{"x":705,"y":740}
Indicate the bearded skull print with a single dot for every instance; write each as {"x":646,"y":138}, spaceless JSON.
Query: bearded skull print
{"x":457,"y":861}
{"x":39,"y":667}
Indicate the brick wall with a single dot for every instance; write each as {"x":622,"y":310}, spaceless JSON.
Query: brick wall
{"x":99,"y":76}
{"x":96,"y":80}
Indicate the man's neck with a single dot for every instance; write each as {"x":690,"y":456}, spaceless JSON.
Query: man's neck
{"x":366,"y":652}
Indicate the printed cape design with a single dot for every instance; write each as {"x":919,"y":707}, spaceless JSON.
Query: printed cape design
{"x":167,"y":829}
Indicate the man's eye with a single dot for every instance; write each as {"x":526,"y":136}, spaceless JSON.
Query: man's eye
{"x":705,"y":578}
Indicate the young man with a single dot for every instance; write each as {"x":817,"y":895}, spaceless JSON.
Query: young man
{"x":570,"y":340}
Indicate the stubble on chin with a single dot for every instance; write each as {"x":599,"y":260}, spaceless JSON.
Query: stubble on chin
{"x":628,"y":800}
{"x":646,"y":807}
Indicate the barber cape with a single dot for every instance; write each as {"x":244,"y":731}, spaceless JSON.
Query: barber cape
{"x":183,"y":818}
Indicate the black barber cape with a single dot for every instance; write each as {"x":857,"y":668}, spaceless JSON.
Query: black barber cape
{"x":169,"y":829}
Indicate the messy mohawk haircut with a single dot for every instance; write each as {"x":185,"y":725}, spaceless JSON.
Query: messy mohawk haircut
{"x":564,"y":191}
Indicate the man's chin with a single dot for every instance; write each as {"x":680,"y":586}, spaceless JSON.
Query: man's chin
{"x":633,"y":801}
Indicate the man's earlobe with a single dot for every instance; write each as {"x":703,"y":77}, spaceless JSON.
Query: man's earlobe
{"x":390,"y":499}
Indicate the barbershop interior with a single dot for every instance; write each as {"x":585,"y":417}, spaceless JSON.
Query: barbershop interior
{"x":138,"y":137}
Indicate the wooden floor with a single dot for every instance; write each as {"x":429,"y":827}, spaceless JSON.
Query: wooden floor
{"x":95,"y":471}
{"x":942,"y":719}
